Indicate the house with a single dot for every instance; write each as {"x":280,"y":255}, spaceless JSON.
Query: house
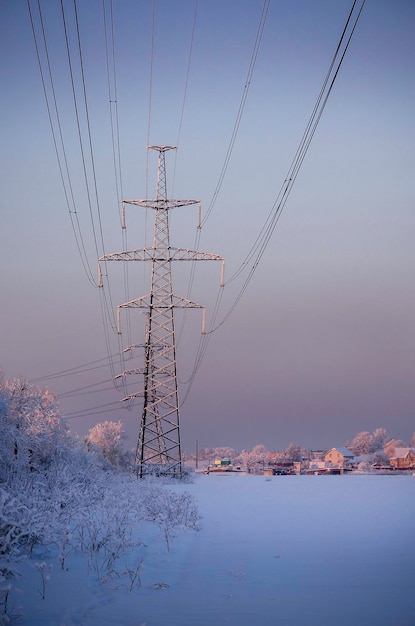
{"x":338,"y":457}
{"x":389,"y":449}
{"x":403,"y":458}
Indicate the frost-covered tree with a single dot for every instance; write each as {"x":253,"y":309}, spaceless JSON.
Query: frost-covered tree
{"x":362,"y":443}
{"x":380,"y":439}
{"x":206,"y":453}
{"x":381,"y":458}
{"x":254,"y":458}
{"x":293,"y":453}
{"x":413,"y":441}
{"x":367,"y":443}
{"x":223,"y":452}
{"x":245,"y":458}
{"x":107,"y":437}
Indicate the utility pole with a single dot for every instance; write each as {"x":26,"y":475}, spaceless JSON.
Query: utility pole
{"x":159,"y":446}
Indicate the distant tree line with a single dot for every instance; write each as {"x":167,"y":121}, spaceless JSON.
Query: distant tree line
{"x":364,"y":443}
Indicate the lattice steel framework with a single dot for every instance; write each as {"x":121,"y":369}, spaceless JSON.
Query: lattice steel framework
{"x":159,"y":446}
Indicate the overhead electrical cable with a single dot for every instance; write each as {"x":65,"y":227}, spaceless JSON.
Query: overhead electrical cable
{"x":107,"y":306}
{"x":113,"y":102}
{"x":262,"y":241}
{"x":110,"y":58}
{"x":91,"y":153}
{"x":92,"y":412}
{"x":197,"y":237}
{"x":245,"y":92}
{"x":254,"y":55}
{"x":279,"y":203}
{"x":184,"y":94}
{"x":77,"y":394}
{"x":150,"y":90}
{"x":73,"y":213}
{"x":189,"y":62}
{"x":78,"y":123}
{"x":247,"y":84}
{"x":294,"y":169}
{"x":79,"y":389}
{"x":303,"y":146}
{"x":87,"y":412}
{"x":73,"y":371}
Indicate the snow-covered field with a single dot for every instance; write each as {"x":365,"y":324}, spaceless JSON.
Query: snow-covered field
{"x":280,"y":550}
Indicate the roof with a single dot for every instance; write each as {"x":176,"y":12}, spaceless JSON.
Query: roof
{"x":402,"y":453}
{"x":343,"y":451}
{"x":391,"y":444}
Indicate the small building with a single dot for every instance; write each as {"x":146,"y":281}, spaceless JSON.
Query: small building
{"x":403,"y":458}
{"x":219,"y":462}
{"x":315,"y":466}
{"x":297,"y":465}
{"x":338,"y":457}
{"x":389,"y":449}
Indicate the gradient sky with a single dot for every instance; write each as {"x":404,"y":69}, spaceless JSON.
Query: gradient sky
{"x":321,"y":346}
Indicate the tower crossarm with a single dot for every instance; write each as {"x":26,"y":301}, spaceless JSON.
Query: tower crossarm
{"x":152,"y":254}
{"x":146,"y":302}
{"x":161,"y":203}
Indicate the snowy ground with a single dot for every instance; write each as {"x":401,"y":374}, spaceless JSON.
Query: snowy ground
{"x":283,"y":550}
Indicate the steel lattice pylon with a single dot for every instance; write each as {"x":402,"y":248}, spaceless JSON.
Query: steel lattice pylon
{"x":159,"y":446}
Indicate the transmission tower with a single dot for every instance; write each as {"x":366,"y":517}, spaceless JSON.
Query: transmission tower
{"x":159,"y":447}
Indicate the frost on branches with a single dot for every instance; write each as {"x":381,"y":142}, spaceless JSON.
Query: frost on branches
{"x":368,"y":443}
{"x":107,"y":438}
{"x":32,"y":430}
{"x":57,"y":498}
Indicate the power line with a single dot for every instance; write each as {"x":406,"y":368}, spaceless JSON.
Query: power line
{"x":91,"y":151}
{"x":150,"y":92}
{"x":77,"y":369}
{"x":185,"y":93}
{"x":107,"y":306}
{"x":267,"y":230}
{"x":73,"y":214}
{"x":115,"y":137}
{"x":87,"y":412}
{"x":279,"y":204}
{"x":247,"y":84}
{"x":242,"y":103}
{"x":302,"y":149}
{"x":78,"y":123}
{"x":82,"y":391}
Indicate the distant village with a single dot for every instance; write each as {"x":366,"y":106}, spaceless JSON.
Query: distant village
{"x":367,"y":453}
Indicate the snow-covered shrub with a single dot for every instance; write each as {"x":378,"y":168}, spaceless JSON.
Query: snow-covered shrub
{"x":364,"y":466}
{"x":44,"y":570}
{"x":8,"y":613}
{"x":171,"y":511}
{"x":21,"y":524}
